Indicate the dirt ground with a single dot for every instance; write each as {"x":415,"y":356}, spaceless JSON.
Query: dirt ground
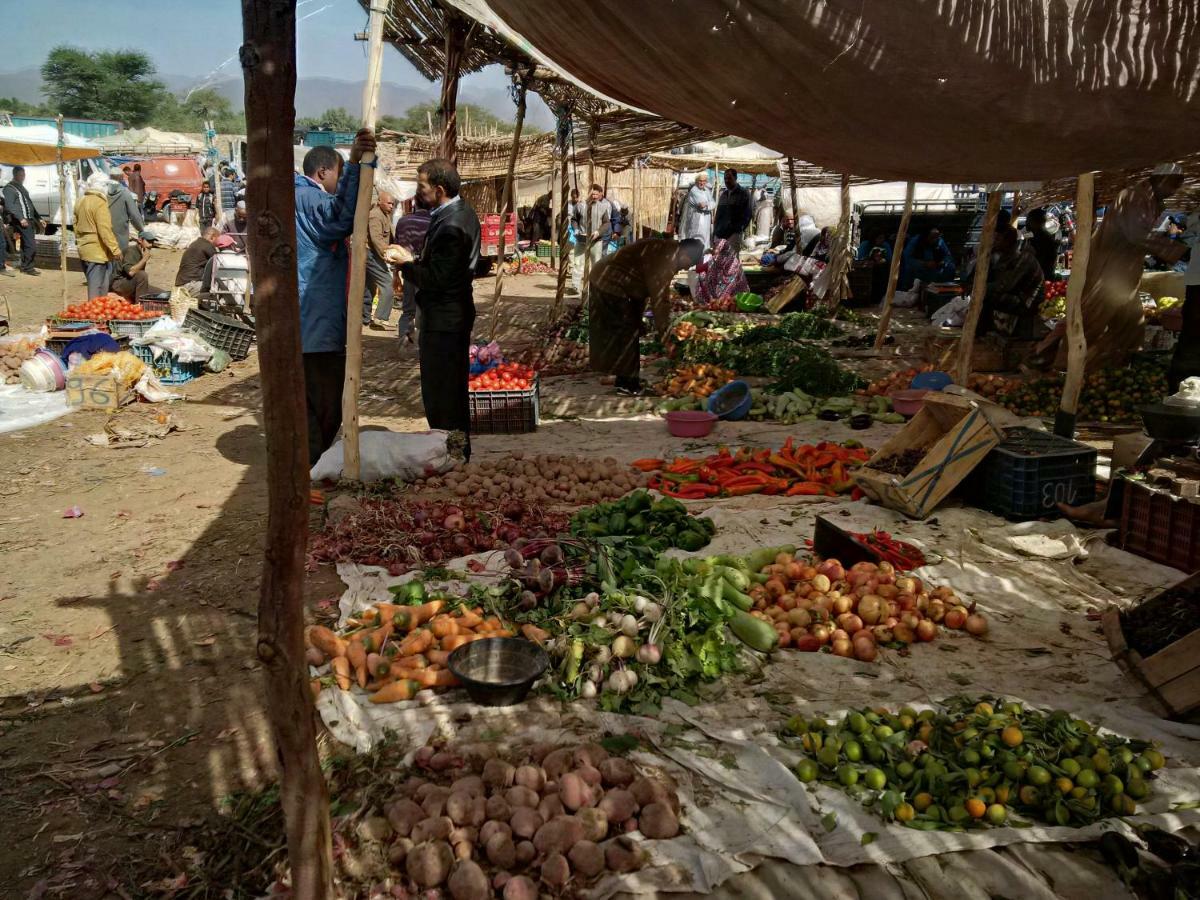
{"x":129,"y":698}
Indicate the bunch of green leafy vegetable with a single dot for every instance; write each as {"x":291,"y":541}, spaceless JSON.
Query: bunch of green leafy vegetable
{"x":817,"y":373}
{"x":655,"y":524}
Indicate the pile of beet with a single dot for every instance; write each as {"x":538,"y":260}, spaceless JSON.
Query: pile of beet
{"x":407,"y":534}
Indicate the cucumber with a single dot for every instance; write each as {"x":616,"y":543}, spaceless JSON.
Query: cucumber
{"x":736,"y":577}
{"x":754,"y":633}
{"x":736,"y":597}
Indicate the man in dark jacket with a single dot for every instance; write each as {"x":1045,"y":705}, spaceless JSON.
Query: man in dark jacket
{"x":410,"y":233}
{"x":206,"y":205}
{"x":137,"y":184}
{"x":734,"y":211}
{"x":443,"y":275}
{"x":326,"y":195}
{"x":25,"y":218}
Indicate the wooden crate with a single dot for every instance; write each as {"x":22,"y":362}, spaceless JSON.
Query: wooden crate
{"x":1172,"y":674}
{"x":97,"y":392}
{"x":956,"y":435}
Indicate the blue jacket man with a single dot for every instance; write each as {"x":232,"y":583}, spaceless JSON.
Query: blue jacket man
{"x":326,"y":195}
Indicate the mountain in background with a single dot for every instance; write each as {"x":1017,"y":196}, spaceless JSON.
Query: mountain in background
{"x":315,"y":95}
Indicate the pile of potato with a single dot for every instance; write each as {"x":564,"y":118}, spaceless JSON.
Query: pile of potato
{"x":12,"y":354}
{"x":484,"y":827}
{"x":575,"y":480}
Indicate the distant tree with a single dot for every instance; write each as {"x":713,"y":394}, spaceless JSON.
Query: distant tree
{"x":200,"y":106}
{"x":336,"y":119}
{"x":16,"y":107}
{"x":415,"y":119}
{"x":110,"y":84}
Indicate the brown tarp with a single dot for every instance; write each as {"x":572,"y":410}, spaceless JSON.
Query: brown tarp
{"x":930,"y":90}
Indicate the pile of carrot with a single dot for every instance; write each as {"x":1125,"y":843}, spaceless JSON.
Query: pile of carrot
{"x":794,"y":470}
{"x":393,"y":651}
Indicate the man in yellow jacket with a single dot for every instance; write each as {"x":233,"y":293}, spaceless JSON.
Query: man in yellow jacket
{"x":94,"y":237}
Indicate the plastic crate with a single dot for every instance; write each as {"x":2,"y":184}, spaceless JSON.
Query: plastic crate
{"x":544,"y":250}
{"x":1030,"y":471}
{"x":222,"y":332}
{"x":82,"y":324}
{"x":505,"y":412}
{"x":161,"y":306}
{"x":167,"y":368}
{"x":132,"y":327}
{"x":1160,"y":526}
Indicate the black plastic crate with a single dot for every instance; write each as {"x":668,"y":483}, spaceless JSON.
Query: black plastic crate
{"x":222,"y":332}
{"x":505,"y":412}
{"x":1030,"y":471}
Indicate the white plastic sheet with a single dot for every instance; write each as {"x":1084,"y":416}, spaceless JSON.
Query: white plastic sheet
{"x":21,"y":409}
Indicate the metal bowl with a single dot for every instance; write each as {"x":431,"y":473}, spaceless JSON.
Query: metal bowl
{"x":499,"y":671}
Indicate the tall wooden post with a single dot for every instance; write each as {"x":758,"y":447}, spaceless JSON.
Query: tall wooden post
{"x":507,"y":201}
{"x":1085,"y":207}
{"x":564,"y":250}
{"x":840,"y":252}
{"x":62,"y":213}
{"x":885,"y":319}
{"x":268,"y":58}
{"x":983,"y":259}
{"x":637,"y":200}
{"x":795,"y":203}
{"x":456,"y":45}
{"x":587,"y":226}
{"x":358,"y":253}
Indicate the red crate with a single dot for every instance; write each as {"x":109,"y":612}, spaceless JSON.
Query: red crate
{"x":490,"y":231}
{"x":1160,"y":526}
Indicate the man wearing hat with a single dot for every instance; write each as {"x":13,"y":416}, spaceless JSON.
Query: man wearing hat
{"x":94,"y":238}
{"x":130,"y":279}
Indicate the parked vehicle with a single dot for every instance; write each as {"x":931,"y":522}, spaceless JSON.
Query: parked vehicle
{"x":168,"y":175}
{"x":42,"y":184}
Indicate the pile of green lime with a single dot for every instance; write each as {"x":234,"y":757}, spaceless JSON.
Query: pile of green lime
{"x":976,"y":762}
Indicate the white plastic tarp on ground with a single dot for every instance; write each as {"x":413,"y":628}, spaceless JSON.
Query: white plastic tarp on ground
{"x":956,"y":90}
{"x":21,"y":409}
{"x":741,"y":804}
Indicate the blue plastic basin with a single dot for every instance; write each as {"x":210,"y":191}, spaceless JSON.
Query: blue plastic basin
{"x":731,"y":402}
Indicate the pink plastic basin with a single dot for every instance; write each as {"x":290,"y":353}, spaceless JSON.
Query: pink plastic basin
{"x":690,"y":423}
{"x":908,"y":403}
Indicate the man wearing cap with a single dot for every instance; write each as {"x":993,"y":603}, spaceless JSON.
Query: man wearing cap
{"x":94,"y":238}
{"x":236,"y":226}
{"x":131,"y":280}
{"x":123,"y":208}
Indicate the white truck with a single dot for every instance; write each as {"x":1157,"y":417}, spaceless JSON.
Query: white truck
{"x":42,"y":184}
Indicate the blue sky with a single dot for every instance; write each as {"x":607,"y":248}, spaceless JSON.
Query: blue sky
{"x":192,"y":37}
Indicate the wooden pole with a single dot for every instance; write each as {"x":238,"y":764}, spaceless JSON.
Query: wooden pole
{"x":839,"y":283}
{"x":268,"y":58}
{"x":795,"y":203}
{"x":456,"y":45}
{"x":885,"y":320}
{"x":1085,"y":206}
{"x":966,"y":343}
{"x":62,"y":214}
{"x":507,"y":201}
{"x":358,"y":253}
{"x":637,"y":200}
{"x":564,"y":251}
{"x":587,"y":238}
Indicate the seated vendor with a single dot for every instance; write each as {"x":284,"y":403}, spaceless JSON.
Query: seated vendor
{"x":1014,"y":290}
{"x":926,"y":257}
{"x":195,"y":258}
{"x":784,"y":234}
{"x":620,"y":286}
{"x":877,"y":248}
{"x":130,"y":279}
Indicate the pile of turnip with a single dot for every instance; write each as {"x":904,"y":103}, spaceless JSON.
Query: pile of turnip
{"x":634,"y":625}
{"x":480,"y":827}
{"x":574,"y":480}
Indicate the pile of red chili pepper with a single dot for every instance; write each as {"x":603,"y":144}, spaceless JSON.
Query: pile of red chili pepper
{"x":794,"y":470}
{"x":902,"y":555}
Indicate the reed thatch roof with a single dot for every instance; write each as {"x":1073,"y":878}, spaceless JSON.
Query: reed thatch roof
{"x":417,"y":28}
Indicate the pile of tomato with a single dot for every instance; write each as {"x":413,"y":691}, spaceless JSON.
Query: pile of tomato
{"x":508,"y":376}
{"x":111,"y":306}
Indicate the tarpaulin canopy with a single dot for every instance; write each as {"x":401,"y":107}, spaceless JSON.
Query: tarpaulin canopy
{"x":934,"y":90}
{"x":37,"y":145}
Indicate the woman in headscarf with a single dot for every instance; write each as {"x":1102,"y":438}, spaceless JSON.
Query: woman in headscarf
{"x":722,"y":277}
{"x":696,"y":221}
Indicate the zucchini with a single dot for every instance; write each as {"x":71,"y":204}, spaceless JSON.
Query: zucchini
{"x":764,"y":556}
{"x":735,"y":577}
{"x":736,"y":597}
{"x":754,"y":633}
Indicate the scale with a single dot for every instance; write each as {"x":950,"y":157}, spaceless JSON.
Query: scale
{"x":1175,"y":438}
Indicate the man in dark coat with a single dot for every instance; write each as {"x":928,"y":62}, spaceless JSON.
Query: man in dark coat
{"x":25,"y":218}
{"x":137,"y":184}
{"x":443,"y":275}
{"x":734,"y":211}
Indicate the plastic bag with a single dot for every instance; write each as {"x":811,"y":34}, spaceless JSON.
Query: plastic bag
{"x":952,"y":314}
{"x":124,"y":366}
{"x":387,"y":454}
